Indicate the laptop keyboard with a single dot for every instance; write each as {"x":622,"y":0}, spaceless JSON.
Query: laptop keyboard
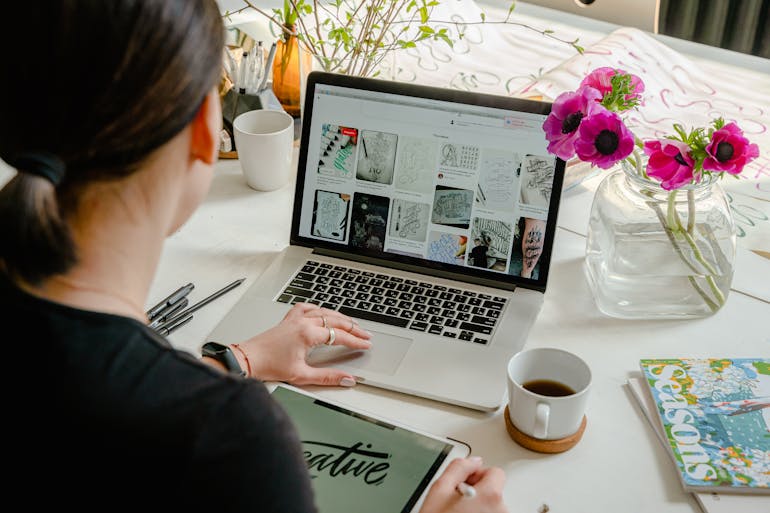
{"x":421,"y":306}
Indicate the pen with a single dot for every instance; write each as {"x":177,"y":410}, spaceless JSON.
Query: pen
{"x":466,"y":490}
{"x":169,"y":312}
{"x":203,"y":302}
{"x":172,"y":299}
{"x":268,"y":65}
{"x":242,"y":73}
{"x":171,"y":326}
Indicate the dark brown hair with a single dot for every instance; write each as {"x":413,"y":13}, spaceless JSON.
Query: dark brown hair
{"x":100,"y":85}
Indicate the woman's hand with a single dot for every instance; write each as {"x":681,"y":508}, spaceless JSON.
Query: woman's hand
{"x":279,"y":354}
{"x":443,"y":496}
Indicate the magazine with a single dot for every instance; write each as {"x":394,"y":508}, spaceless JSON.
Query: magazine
{"x":715,"y":414}
{"x":709,"y":502}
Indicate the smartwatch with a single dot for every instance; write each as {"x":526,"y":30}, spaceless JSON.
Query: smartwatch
{"x":224,"y":355}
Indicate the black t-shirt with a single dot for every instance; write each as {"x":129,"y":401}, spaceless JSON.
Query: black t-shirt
{"x":105,"y":415}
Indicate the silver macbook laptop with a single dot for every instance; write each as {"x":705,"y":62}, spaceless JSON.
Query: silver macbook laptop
{"x":427,"y":214}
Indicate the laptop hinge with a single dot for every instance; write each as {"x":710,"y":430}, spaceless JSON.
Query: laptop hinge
{"x":419,"y":269}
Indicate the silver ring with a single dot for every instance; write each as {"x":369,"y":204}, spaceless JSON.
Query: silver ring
{"x":352,"y":324}
{"x":324,"y":320}
{"x":332,"y":336}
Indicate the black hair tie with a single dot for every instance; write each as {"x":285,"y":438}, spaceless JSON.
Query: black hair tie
{"x":41,"y":163}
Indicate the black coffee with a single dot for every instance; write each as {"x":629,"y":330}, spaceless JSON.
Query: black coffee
{"x":548,"y":387}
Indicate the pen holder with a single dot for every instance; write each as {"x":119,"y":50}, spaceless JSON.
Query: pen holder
{"x":235,"y":104}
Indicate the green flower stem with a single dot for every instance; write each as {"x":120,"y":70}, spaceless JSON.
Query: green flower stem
{"x":674,"y":224}
{"x":702,"y":293}
{"x":690,"y":211}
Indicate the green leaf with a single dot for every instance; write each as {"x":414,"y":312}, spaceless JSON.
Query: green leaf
{"x":483,"y":17}
{"x":423,"y":14}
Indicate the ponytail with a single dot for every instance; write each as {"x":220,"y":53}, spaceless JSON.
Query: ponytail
{"x":35,"y":240}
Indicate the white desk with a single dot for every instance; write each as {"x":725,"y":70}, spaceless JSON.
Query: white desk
{"x":619,"y":464}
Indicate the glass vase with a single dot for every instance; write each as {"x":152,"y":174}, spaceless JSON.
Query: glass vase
{"x":653,"y":253}
{"x":290,"y":65}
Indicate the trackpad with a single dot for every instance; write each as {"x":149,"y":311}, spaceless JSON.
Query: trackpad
{"x":384,"y":357}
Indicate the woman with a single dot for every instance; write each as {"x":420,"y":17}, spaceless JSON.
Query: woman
{"x":113,"y":155}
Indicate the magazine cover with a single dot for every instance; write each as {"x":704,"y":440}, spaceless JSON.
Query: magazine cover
{"x":716,"y":417}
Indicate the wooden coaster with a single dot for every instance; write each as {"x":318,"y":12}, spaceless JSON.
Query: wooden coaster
{"x":545,"y":446}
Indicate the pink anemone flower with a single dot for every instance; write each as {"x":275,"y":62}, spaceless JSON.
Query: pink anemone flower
{"x":603,"y":139}
{"x":670,"y":162}
{"x":601,"y":80}
{"x":567,"y":112}
{"x":729,"y":150}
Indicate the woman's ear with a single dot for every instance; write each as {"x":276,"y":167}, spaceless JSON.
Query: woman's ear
{"x":205,"y":128}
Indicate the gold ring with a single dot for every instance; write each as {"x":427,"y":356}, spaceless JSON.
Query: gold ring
{"x":324,"y":320}
{"x":332,"y":336}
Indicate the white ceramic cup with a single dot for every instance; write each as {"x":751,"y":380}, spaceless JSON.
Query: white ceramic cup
{"x":547,"y":417}
{"x":264,"y":139}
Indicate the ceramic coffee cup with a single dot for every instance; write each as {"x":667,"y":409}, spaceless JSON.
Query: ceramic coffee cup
{"x":547,"y":392}
{"x":264,"y":140}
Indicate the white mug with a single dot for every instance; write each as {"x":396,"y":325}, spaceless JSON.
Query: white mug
{"x":264,"y":140}
{"x":534,"y":408}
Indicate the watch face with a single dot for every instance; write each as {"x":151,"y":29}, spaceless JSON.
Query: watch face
{"x":213,"y":348}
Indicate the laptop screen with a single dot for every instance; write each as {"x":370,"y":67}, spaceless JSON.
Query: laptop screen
{"x":444,"y":182}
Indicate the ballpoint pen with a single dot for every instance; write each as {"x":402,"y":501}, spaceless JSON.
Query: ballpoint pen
{"x":171,"y":300}
{"x":169,"y":312}
{"x":203,"y":302}
{"x":268,"y":65}
{"x":171,"y":326}
{"x":466,"y":490}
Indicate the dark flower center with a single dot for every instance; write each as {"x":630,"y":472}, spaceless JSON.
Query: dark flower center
{"x":679,"y":158}
{"x":571,"y":122}
{"x":725,"y":151}
{"x":606,"y":142}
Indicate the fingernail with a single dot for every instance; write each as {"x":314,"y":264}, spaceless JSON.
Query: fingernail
{"x":347,"y":382}
{"x":475,"y":459}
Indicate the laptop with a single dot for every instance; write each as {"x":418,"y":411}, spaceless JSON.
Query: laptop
{"x":428,"y":215}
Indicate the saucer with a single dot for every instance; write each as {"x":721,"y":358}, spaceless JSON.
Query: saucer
{"x":544,"y":446}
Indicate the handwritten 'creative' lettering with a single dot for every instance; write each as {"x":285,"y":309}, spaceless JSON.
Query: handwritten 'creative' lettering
{"x":339,"y":460}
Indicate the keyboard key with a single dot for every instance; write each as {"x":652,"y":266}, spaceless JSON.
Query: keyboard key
{"x":363,"y":305}
{"x":406,"y":296}
{"x":434,"y":310}
{"x":374,"y":282}
{"x":327,"y":266}
{"x":335,"y":299}
{"x":362,"y":296}
{"x":373,"y":316}
{"x":322,"y":279}
{"x":416,"y":307}
{"x":410,"y":282}
{"x":368,"y":274}
{"x":477,"y":310}
{"x":437,"y":320}
{"x":349,"y":302}
{"x":418,"y":325}
{"x":493,"y":305}
{"x":376,"y":299}
{"x":418,"y":290}
{"x":450,"y":334}
{"x":296,"y":291}
{"x":284,"y":298}
{"x":466,"y":335}
{"x":311,"y":262}
{"x":378,"y":291}
{"x":425,"y":285}
{"x":389,"y":285}
{"x":301,"y":284}
{"x":420,"y":299}
{"x":405,"y":304}
{"x":333,"y":274}
{"x":436,"y":330}
{"x":364,"y":288}
{"x":305,"y":276}
{"x":474,"y":301}
{"x":431,"y":293}
{"x":439,"y":287}
{"x":390,"y":301}
{"x":350,"y":285}
{"x":330,"y":306}
{"x":422,"y":317}
{"x":486,"y":321}
{"x":485,"y":296}
{"x":478,"y":328}
{"x":448,"y":313}
{"x":499,"y":299}
{"x":403,"y":287}
{"x":480,"y":340}
{"x":396,"y":312}
{"x":378,"y":308}
{"x":322,"y":296}
{"x":321,"y":272}
{"x":406,"y":314}
{"x":395,"y":279}
{"x":334,"y":291}
{"x":463,"y":316}
{"x":308,"y":268}
{"x":455,"y":291}
{"x":382,"y":276}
